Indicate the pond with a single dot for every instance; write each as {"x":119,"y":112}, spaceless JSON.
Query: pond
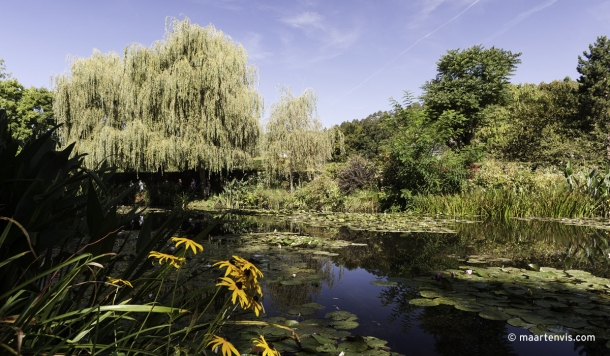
{"x":426,"y":286}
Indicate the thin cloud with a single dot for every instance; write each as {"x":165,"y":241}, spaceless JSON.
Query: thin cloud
{"x":332,"y":40}
{"x":522,"y":16}
{"x":223,"y":4}
{"x":426,"y":8}
{"x":252,"y":44}
{"x":341,"y":39}
{"x":305,"y":20}
{"x":406,"y":50}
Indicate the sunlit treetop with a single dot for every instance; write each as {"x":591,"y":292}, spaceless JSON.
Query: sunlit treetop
{"x":188,"y":101}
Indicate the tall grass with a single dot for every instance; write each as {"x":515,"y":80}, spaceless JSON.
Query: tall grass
{"x":503,"y":203}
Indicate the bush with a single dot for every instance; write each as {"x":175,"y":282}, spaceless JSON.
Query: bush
{"x":358,"y":173}
{"x":322,"y":194}
{"x":514,"y":176}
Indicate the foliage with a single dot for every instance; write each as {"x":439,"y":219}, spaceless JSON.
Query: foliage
{"x":595,"y":86}
{"x":595,"y":184}
{"x":232,"y":196}
{"x":594,"y":89}
{"x":469,"y":82}
{"x":30,"y":111}
{"x":358,"y":173}
{"x":188,"y":101}
{"x":504,"y":203}
{"x":321,"y":194}
{"x":540,"y":124}
{"x":363,"y":137}
{"x":294,"y":138}
{"x":517,"y":177}
{"x":362,"y":201}
{"x":62,"y":290}
{"x":417,"y":159}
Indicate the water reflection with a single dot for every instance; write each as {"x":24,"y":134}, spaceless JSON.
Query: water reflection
{"x":386,"y":312}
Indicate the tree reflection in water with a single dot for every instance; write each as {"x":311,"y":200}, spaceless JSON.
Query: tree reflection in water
{"x":283,"y":297}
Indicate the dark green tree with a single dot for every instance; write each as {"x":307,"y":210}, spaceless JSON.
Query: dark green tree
{"x":364,"y":137}
{"x":594,"y":91}
{"x":417,"y":159}
{"x":30,"y":111}
{"x":469,"y":82}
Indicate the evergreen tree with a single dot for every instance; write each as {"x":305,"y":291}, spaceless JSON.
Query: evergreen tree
{"x":594,"y":91}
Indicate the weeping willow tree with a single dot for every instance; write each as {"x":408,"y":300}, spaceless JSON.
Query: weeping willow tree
{"x":187,"y":102}
{"x":295,"y":140}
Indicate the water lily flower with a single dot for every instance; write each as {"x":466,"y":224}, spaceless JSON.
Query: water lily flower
{"x":468,"y":271}
{"x":118,"y":281}
{"x":267,"y":350}
{"x":162,"y":257}
{"x":188,"y":243}
{"x":227,"y":348}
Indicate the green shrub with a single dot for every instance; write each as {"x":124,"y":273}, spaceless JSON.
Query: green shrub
{"x":321,"y":194}
{"x":514,"y":176}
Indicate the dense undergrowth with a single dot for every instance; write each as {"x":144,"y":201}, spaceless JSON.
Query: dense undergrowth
{"x":495,"y":190}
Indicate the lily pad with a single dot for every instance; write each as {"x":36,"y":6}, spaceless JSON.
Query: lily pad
{"x":383,"y":283}
{"x":345,"y":324}
{"x":494,"y":314}
{"x":519,"y":323}
{"x":341,"y":315}
{"x":424,"y":302}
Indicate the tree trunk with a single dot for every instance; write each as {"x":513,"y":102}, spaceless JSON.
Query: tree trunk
{"x":202,"y":179}
{"x":291,"y":180}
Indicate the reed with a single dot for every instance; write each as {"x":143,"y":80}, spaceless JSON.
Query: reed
{"x":504,"y":203}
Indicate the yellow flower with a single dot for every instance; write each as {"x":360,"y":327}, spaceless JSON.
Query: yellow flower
{"x":256,"y":306}
{"x":267,"y":350}
{"x":240,"y":268}
{"x":247,"y":265}
{"x":171,"y":259}
{"x":188,"y":242}
{"x":119,"y":281}
{"x":227,"y":348}
{"x":237,"y":289}
{"x":231,"y":268}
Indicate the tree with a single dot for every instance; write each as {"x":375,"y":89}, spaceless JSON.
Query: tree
{"x":295,"y":139}
{"x":594,"y":91}
{"x":30,"y":111}
{"x":186,"y":102}
{"x":364,"y":137}
{"x":469,"y":82}
{"x":417,"y":157}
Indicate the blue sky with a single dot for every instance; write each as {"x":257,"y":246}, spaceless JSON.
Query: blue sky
{"x":356,"y":54}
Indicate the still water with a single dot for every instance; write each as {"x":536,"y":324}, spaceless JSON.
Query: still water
{"x":384,"y":310}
